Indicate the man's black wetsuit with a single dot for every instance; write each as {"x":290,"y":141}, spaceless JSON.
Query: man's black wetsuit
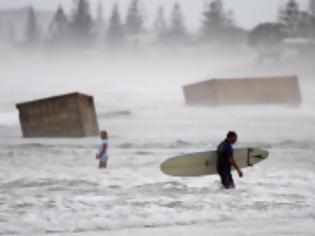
{"x":225,"y":152}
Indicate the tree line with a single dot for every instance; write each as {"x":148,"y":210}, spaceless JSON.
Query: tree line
{"x":218,"y":25}
{"x":293,"y":24}
{"x":81,"y":28}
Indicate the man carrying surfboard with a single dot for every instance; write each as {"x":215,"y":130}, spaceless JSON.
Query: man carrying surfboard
{"x":226,"y":160}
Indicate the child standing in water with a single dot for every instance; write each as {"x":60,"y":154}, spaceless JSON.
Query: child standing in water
{"x":102,"y":155}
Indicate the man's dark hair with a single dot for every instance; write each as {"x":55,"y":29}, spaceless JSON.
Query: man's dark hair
{"x":231,"y":134}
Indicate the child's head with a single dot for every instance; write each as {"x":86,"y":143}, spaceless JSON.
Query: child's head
{"x":103,"y":134}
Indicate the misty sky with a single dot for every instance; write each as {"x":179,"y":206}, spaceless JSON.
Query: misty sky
{"x":247,"y":12}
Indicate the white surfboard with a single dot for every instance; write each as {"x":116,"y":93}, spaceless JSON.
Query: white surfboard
{"x":204,"y":163}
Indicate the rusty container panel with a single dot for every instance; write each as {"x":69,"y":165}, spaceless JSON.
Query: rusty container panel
{"x":231,"y":92}
{"x":58,"y":116}
{"x":278,"y":90}
{"x":88,"y":116}
{"x":200,"y":94}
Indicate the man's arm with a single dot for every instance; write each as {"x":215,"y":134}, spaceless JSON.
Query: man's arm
{"x":234,"y":164}
{"x":230,"y":154}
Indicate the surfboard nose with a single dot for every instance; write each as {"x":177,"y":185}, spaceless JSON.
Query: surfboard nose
{"x":258,"y":153}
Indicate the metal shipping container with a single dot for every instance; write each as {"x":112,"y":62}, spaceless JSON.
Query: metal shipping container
{"x":70,"y":115}
{"x":244,"y":91}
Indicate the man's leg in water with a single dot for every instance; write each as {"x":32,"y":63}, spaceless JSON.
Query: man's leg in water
{"x":231,"y":181}
{"x":226,"y":177}
{"x":221,"y":174}
{"x":227,"y":180}
{"x":103,"y":164}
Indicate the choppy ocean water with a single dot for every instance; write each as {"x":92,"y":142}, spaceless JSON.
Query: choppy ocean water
{"x":53,"y":186}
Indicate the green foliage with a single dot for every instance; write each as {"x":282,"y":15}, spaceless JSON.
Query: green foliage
{"x":217,"y":23}
{"x":160,"y":24}
{"x":134,"y":22}
{"x":82,"y":21}
{"x":32,"y":29}
{"x":312,"y":7}
{"x":289,"y":16}
{"x":59,"y":26}
{"x":115,"y":34}
{"x":177,"y":28}
{"x":266,"y":35}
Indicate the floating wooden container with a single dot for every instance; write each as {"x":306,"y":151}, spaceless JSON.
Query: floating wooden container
{"x":70,"y":115}
{"x":244,"y":91}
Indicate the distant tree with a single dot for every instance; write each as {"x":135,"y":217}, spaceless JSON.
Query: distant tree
{"x":214,"y":18}
{"x":32,"y":30}
{"x":1,"y":31}
{"x":312,"y":12}
{"x":160,"y":25}
{"x":81,"y":25}
{"x":12,"y":33}
{"x":115,"y":34}
{"x":7,"y":33}
{"x":177,"y":30}
{"x":267,"y":38}
{"x":306,"y":27}
{"x":312,"y":7}
{"x":217,"y":23}
{"x":100,"y":15}
{"x":99,"y":28}
{"x":289,"y":16}
{"x":229,"y":19}
{"x":134,"y":22}
{"x":59,"y":27}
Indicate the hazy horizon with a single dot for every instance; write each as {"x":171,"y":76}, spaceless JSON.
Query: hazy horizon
{"x":51,"y":184}
{"x":246,"y":18}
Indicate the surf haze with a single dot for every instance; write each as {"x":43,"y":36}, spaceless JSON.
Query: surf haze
{"x":135,"y":58}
